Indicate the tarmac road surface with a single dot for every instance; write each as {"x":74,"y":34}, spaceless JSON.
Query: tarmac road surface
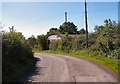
{"x":60,"y":68}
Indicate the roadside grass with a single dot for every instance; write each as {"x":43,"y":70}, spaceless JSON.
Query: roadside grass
{"x":112,"y":64}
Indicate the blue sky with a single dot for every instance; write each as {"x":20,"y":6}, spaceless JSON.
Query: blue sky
{"x":36,"y":18}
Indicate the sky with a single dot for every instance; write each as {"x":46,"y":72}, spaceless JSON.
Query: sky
{"x":36,"y":18}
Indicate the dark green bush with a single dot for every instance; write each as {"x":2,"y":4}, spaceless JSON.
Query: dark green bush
{"x":16,"y":56}
{"x":53,"y":45}
{"x":42,"y":42}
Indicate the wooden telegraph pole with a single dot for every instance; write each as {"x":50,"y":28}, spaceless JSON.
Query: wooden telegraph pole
{"x":86,"y":24}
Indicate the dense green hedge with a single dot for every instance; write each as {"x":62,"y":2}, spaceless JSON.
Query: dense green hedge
{"x":102,"y":42}
{"x":17,"y":56}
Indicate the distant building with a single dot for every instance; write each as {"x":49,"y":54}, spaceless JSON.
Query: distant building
{"x":59,"y":36}
{"x":54,"y":37}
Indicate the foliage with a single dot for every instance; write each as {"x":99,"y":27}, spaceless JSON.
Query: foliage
{"x":118,"y":28}
{"x":53,"y":31}
{"x":42,"y":42}
{"x":68,"y":27}
{"x":105,"y":37}
{"x":32,"y":41}
{"x":69,"y":43}
{"x":54,"y":45}
{"x":16,"y":56}
{"x":102,"y":41}
{"x":81,"y":31}
{"x":66,"y":43}
{"x":78,"y":42}
{"x":63,"y":44}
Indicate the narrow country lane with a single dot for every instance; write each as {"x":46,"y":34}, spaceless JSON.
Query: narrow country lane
{"x":60,"y":68}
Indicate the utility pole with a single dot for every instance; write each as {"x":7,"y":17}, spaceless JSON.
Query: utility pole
{"x":65,"y":16}
{"x":86,"y":24}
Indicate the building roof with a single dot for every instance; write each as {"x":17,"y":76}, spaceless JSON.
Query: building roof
{"x":54,"y":37}
{"x":58,"y":37}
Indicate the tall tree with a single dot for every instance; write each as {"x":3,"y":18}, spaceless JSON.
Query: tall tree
{"x":53,"y":31}
{"x":68,"y":27}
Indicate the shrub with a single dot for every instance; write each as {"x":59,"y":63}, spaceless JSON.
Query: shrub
{"x":16,"y":55}
{"x":53,"y":45}
{"x":42,"y":42}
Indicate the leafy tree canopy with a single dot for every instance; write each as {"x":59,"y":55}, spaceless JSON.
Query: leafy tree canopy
{"x":82,"y":31}
{"x":53,"y":31}
{"x":68,"y":27}
{"x":32,"y":41}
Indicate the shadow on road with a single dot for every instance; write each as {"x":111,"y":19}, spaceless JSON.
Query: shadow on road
{"x":32,"y":72}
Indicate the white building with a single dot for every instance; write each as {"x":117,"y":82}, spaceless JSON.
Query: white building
{"x":54,"y":37}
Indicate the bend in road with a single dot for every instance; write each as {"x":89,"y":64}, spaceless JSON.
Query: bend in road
{"x":60,"y":68}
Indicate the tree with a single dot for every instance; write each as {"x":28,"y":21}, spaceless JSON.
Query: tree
{"x":97,"y":28}
{"x":68,"y":27}
{"x":32,"y":41}
{"x":81,"y":31}
{"x":53,"y":31}
{"x":42,"y":42}
{"x":105,"y":35}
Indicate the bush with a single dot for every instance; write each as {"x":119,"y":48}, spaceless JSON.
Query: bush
{"x":17,"y":56}
{"x":66,"y":43}
{"x":42,"y":42}
{"x":115,"y":54}
{"x":53,"y":45}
